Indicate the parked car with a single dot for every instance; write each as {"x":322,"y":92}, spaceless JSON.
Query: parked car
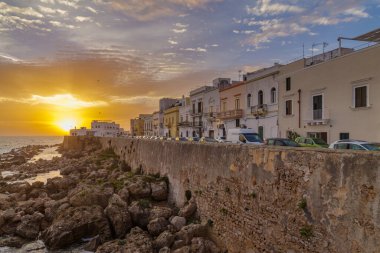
{"x":354,"y":145}
{"x":243,"y":135}
{"x":207,"y":139}
{"x":193,"y":139}
{"x":311,"y":142}
{"x":221,"y":139}
{"x":181,"y":139}
{"x":281,"y":142}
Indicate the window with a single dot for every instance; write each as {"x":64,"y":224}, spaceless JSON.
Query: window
{"x":249,"y":100}
{"x":317,"y":107}
{"x":261,"y":132}
{"x":288,"y":83}
{"x":211,"y":108}
{"x":237,"y":123}
{"x":224,"y":106}
{"x":199,"y":107}
{"x":237,"y":103}
{"x":344,"y":136}
{"x":273,"y":97}
{"x":356,"y":147}
{"x":260,"y":98}
{"x":193,"y":107}
{"x":360,"y":96}
{"x":288,"y":107}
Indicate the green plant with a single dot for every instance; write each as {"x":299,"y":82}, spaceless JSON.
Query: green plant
{"x":210,"y":222}
{"x":253,"y":195}
{"x":117,"y":184}
{"x":293,"y":135}
{"x":306,"y":231}
{"x":224,"y":211}
{"x":302,"y":204}
{"x":144,"y":203}
{"x":107,"y":154}
{"x":188,"y":194}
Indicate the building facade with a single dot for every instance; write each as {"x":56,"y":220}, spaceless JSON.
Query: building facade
{"x":148,"y":125}
{"x":83,"y":131}
{"x":333,"y":99}
{"x":171,"y":119}
{"x":158,"y":124}
{"x":232,"y":113}
{"x":106,"y":128}
{"x":196,"y":111}
{"x":261,"y":112}
{"x":185,"y":123}
{"x":211,"y":106}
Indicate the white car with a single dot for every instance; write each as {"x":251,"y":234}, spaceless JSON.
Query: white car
{"x":354,"y":145}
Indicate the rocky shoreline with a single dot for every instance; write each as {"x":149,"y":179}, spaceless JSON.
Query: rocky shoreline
{"x":96,"y":204}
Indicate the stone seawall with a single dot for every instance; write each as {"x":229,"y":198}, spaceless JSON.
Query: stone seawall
{"x":267,"y":199}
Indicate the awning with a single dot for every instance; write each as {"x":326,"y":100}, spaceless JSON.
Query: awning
{"x":373,"y":36}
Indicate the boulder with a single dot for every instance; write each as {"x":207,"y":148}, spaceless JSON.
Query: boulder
{"x":178,"y":222}
{"x":124,"y":194}
{"x":187,"y":233}
{"x":188,"y":210}
{"x":185,"y":249}
{"x":164,"y":250}
{"x":139,"y":189}
{"x":118,"y":215}
{"x":13,"y":241}
{"x":140,"y":214}
{"x":85,"y":195}
{"x":165,"y":239}
{"x":157,"y":226}
{"x":75,"y":223}
{"x":160,"y":211}
{"x":159,"y":190}
{"x":93,"y":244}
{"x":30,"y":226}
{"x":202,"y":245}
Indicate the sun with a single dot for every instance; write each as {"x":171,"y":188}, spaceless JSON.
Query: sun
{"x":66,"y":124}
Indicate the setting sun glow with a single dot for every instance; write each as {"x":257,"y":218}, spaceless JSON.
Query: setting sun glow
{"x":66,"y":124}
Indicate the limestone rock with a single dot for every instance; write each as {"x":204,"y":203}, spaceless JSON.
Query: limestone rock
{"x":118,"y":216}
{"x":159,"y":190}
{"x":139,"y":189}
{"x":165,"y":239}
{"x":201,"y":245}
{"x":157,"y":226}
{"x":164,"y":250}
{"x":124,"y":194}
{"x":188,"y":210}
{"x":185,"y":249}
{"x":187,"y":233}
{"x":85,"y":195}
{"x":30,"y":226}
{"x":160,"y":211}
{"x":75,"y":223}
{"x":178,"y":222}
{"x":140,"y":215}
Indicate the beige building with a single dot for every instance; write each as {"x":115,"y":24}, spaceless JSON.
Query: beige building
{"x":333,"y":96}
{"x":171,"y":120}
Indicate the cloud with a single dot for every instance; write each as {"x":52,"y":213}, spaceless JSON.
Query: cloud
{"x":91,"y":9}
{"x":48,"y":10}
{"x":198,"y":49}
{"x":357,"y":12}
{"x":70,"y":3}
{"x":151,"y":100}
{"x":266,"y":8}
{"x":28,"y":11}
{"x":181,"y":25}
{"x":83,"y":19}
{"x":60,"y":100}
{"x":172,"y":42}
{"x":61,"y":25}
{"x":179,"y":30}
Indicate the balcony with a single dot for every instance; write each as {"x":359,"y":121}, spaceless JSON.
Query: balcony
{"x":185,"y":124}
{"x":196,"y":113}
{"x":211,"y":116}
{"x":197,"y":124}
{"x":233,"y":114}
{"x":318,"y":119}
{"x":259,"y":110}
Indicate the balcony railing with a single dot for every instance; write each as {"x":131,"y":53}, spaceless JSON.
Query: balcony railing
{"x":259,"y":110}
{"x":211,"y":116}
{"x":185,"y":124}
{"x":197,"y":124}
{"x":319,"y":118}
{"x":232,"y":114}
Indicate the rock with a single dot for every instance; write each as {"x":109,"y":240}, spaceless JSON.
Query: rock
{"x":140,"y":215}
{"x":178,"y":222}
{"x":188,"y":210}
{"x":124,"y":194}
{"x":137,"y":241}
{"x":139,"y":189}
{"x":178,"y":244}
{"x":187,"y":233}
{"x":165,"y":239}
{"x":164,"y":250}
{"x":34,"y":247}
{"x":75,"y":223}
{"x":30,"y":226}
{"x":198,"y":245}
{"x":85,"y":195}
{"x":118,"y":215}
{"x":14,"y":242}
{"x":211,"y":247}
{"x":93,"y":244}
{"x":160,"y":211}
{"x":185,"y":249}
{"x":157,"y":226}
{"x":159,"y":190}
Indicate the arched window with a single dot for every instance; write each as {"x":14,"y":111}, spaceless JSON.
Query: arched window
{"x":249,"y":100}
{"x":273,"y":97}
{"x":260,"y":98}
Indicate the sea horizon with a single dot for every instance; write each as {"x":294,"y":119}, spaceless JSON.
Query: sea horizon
{"x":7,"y":143}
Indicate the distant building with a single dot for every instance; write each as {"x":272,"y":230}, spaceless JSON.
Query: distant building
{"x":196,"y":111}
{"x":185,"y":123}
{"x":148,"y":125}
{"x":211,"y":107}
{"x":106,"y":128}
{"x":83,"y":131}
{"x":158,"y":124}
{"x":171,"y":119}
{"x":137,"y":125}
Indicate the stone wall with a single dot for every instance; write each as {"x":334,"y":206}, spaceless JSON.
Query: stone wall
{"x":268,"y":199}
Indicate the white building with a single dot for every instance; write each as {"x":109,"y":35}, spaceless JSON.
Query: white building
{"x":261,"y":113}
{"x":158,"y":124}
{"x":148,"y":125}
{"x":185,"y":123}
{"x":106,"y":128}
{"x":211,"y":106}
{"x":83,"y":131}
{"x":196,"y":112}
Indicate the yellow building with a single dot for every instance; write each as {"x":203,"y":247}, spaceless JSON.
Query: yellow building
{"x":137,"y":127}
{"x":171,"y":119}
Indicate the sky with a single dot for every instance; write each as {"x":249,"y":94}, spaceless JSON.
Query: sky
{"x":66,"y":62}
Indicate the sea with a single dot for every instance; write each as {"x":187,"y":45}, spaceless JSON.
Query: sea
{"x":7,"y":143}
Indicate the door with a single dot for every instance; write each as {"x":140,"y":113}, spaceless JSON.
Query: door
{"x":317,"y":107}
{"x":211,"y":134}
{"x":261,"y":132}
